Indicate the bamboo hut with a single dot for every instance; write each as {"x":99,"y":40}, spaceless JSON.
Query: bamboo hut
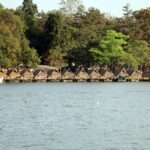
{"x":40,"y":75}
{"x":26,"y":75}
{"x":120,"y":75}
{"x":106,"y":74}
{"x":146,"y":76}
{"x":94,"y":75}
{"x":12,"y":75}
{"x":134,"y":75}
{"x":81,"y":75}
{"x":2,"y":73}
{"x":67,"y":75}
{"x":53,"y":75}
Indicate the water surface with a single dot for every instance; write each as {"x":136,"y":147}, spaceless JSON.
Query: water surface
{"x":75,"y":116}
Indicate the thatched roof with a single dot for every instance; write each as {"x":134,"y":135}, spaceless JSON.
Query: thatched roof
{"x":134,"y":73}
{"x":106,"y":73}
{"x":81,"y":74}
{"x":94,"y":74}
{"x":26,"y":73}
{"x":12,"y":74}
{"x":67,"y":73}
{"x":54,"y":74}
{"x":2,"y":73}
{"x":120,"y":72}
{"x":40,"y":73}
{"x":9,"y":72}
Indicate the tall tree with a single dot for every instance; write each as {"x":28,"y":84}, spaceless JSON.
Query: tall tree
{"x":1,"y":6}
{"x":127,"y":11}
{"x":12,"y":45}
{"x":111,"y":50}
{"x":29,"y":8}
{"x":141,"y":51}
{"x":90,"y":27}
{"x":70,"y":7}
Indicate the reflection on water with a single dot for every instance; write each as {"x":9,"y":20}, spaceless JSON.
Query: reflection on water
{"x":81,"y":116}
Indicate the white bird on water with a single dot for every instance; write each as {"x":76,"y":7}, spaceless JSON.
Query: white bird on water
{"x":97,"y":103}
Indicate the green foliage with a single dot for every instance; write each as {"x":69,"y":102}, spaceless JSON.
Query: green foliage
{"x":70,"y":7}
{"x":55,"y":57}
{"x":111,"y":50}
{"x":1,"y":6}
{"x":141,"y":51}
{"x":73,"y":34}
{"x":29,"y":8}
{"x":12,"y":39}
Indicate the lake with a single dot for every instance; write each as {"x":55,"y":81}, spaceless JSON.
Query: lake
{"x":75,"y":116}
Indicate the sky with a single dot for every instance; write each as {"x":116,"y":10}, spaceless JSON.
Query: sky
{"x":112,"y":7}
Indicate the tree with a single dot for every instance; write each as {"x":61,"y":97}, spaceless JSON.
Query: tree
{"x":141,"y":28}
{"x":58,"y":34}
{"x":141,"y":51}
{"x":70,"y":7}
{"x":55,"y":57}
{"x":111,"y":50}
{"x":127,"y":11}
{"x":90,"y":27}
{"x":1,"y":6}
{"x":29,"y":8}
{"x":53,"y":27}
{"x":12,"y":45}
{"x":125,"y":24}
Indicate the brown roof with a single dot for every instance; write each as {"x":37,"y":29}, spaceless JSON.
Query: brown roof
{"x":26,"y":73}
{"x":120,"y":72}
{"x":54,"y":74}
{"x":2,"y":73}
{"x":105,"y":72}
{"x":94,"y":73}
{"x":67,"y":73}
{"x":2,"y":70}
{"x":12,"y":74}
{"x":37,"y":71}
{"x":132,"y":72}
{"x":81,"y":73}
{"x":11,"y":71}
{"x":40,"y":73}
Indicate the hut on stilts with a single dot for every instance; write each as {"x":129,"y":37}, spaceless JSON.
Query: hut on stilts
{"x":67,"y":75}
{"x":40,"y":75}
{"x":134,"y":75}
{"x":106,"y":74}
{"x":94,"y":75}
{"x":12,"y":75}
{"x":81,"y":75}
{"x":120,"y":75}
{"x":53,"y":76}
{"x":2,"y":73}
{"x":26,"y":75}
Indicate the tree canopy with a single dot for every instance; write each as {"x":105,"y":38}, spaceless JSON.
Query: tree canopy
{"x":73,"y":34}
{"x":13,"y":44}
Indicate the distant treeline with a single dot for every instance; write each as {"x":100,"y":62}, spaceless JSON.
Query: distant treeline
{"x":73,"y":35}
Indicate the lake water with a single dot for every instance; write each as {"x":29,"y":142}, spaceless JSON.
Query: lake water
{"x":75,"y":116}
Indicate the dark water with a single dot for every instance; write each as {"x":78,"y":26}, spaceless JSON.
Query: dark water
{"x":80,"y":116}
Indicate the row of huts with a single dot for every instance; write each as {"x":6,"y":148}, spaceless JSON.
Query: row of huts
{"x":102,"y":74}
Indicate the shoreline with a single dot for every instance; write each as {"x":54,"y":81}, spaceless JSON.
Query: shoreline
{"x":77,"y":75}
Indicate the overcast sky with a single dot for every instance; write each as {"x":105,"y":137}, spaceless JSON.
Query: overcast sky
{"x":112,"y":7}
